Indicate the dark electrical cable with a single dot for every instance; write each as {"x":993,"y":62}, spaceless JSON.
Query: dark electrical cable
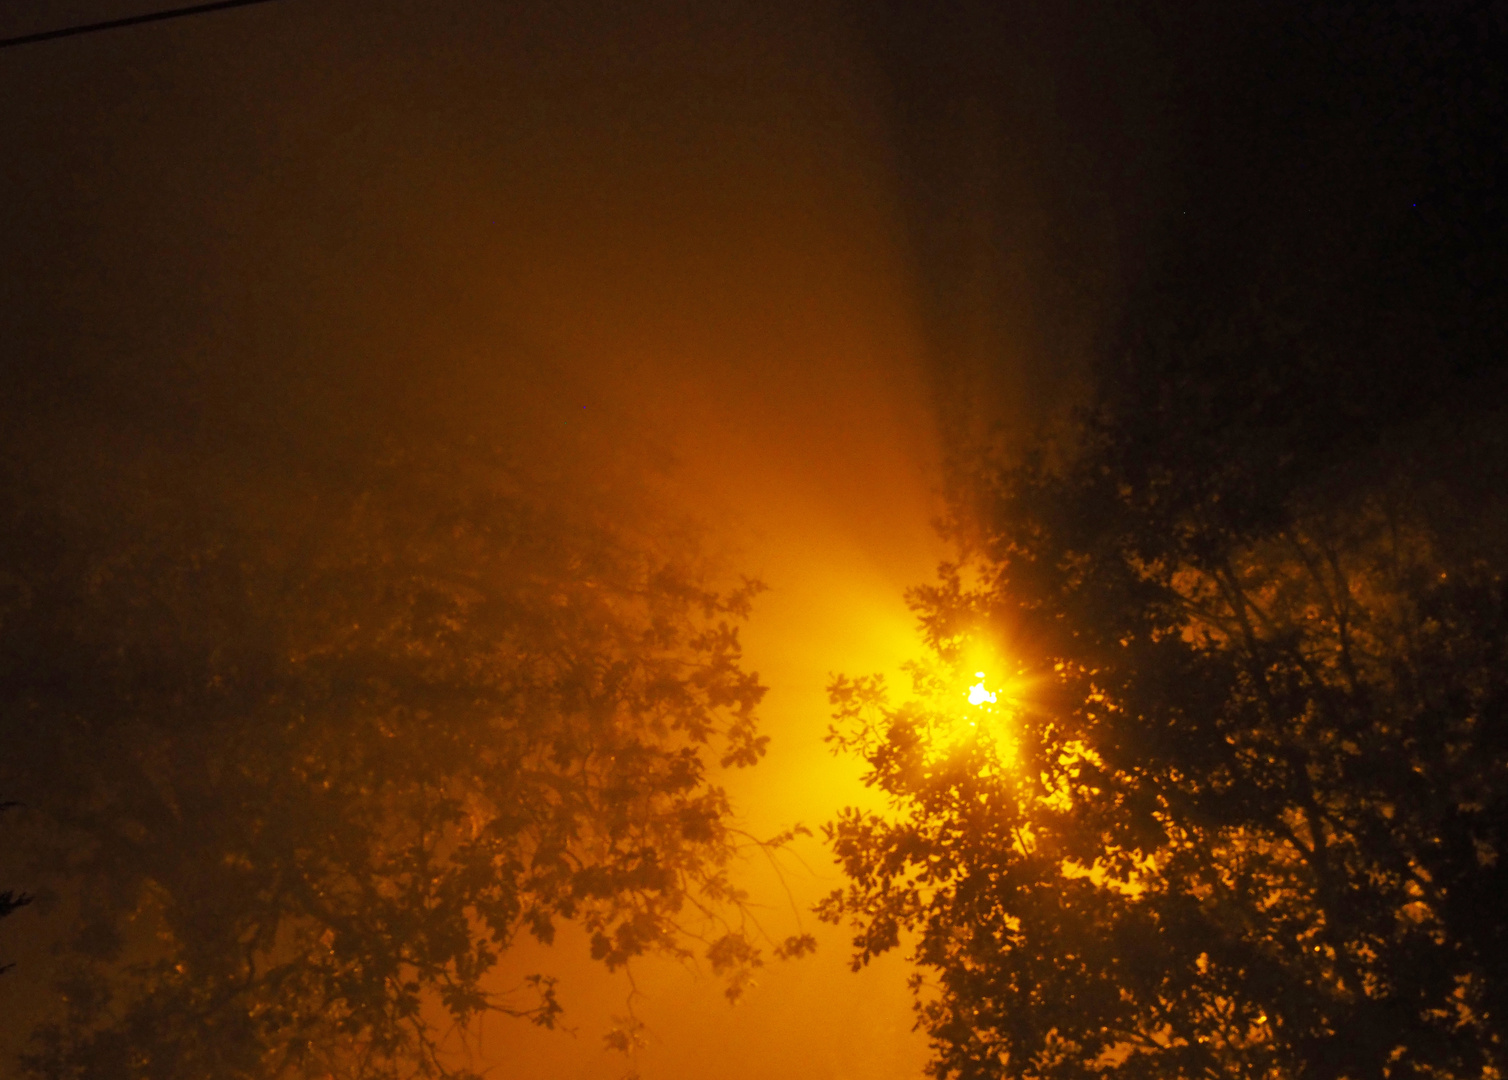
{"x":130,"y":20}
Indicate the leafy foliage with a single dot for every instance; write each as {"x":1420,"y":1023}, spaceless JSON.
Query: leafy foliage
{"x":1245,"y":815}
{"x":303,"y":760}
{"x":1244,"y":812}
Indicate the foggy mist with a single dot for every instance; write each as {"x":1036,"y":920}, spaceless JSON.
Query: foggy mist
{"x":765,"y":273}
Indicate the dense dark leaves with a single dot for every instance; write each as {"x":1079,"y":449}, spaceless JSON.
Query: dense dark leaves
{"x":1244,"y":813}
{"x":302,"y":761}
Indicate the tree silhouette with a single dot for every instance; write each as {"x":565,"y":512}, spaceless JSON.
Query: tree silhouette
{"x":303,"y":759}
{"x":1241,"y":807}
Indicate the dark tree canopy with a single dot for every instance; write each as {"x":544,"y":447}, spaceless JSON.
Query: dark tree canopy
{"x":301,"y":760}
{"x":1242,"y":807}
{"x":1243,"y":811}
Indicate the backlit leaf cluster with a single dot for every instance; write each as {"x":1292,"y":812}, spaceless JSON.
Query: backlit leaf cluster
{"x":302,"y":760}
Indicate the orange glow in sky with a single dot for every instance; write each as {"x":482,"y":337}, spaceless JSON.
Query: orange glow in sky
{"x":666,"y":234}
{"x":743,"y":323}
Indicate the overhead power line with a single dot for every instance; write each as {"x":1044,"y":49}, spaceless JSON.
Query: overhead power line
{"x":130,"y":20}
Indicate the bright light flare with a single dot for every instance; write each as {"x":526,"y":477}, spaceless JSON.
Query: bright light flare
{"x":982,"y":714}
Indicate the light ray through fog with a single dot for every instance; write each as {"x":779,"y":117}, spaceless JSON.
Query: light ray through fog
{"x":661,"y":240}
